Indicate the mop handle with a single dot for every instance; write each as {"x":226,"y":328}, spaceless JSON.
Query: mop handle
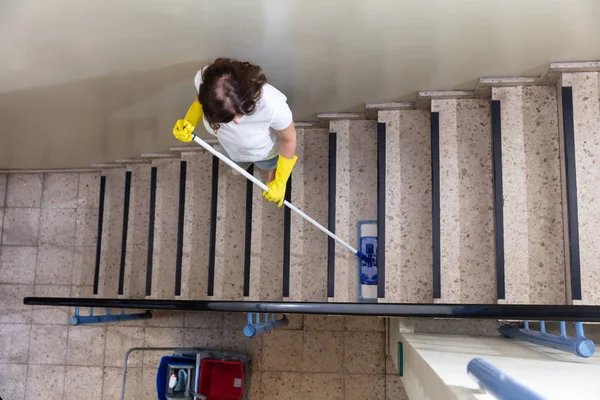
{"x":264,"y":187}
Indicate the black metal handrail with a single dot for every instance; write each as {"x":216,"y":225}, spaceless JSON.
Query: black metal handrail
{"x":482,"y":311}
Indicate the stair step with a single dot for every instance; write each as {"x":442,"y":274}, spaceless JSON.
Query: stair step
{"x":230,"y":235}
{"x":110,"y":251}
{"x":355,"y":196}
{"x":266,"y":250}
{"x":466,"y":201}
{"x":164,"y":258}
{"x":532,"y":212}
{"x":408,"y":252}
{"x":579,"y":123}
{"x":308,"y":255}
{"x":196,"y":244}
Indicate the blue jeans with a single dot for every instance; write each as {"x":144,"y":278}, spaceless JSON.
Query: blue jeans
{"x":266,"y":165}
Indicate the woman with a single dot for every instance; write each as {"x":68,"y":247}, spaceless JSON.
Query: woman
{"x":249,"y":117}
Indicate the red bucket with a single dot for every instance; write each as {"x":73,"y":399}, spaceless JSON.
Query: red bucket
{"x":222,"y":380}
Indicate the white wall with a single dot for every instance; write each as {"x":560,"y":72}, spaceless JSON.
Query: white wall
{"x":84,"y":80}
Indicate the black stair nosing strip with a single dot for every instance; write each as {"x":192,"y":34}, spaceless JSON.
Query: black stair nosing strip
{"x":213,"y":227}
{"x":498,"y":198}
{"x":571,"y":189}
{"x":99,"y":232}
{"x":180,"y":225}
{"x":331,"y":215}
{"x":435,"y":206}
{"x":151,"y":220}
{"x":381,"y":195}
{"x":126,"y":201}
{"x":287,"y":228}
{"x":248,"y":234}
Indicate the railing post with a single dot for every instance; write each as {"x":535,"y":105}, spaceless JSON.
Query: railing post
{"x":498,"y":383}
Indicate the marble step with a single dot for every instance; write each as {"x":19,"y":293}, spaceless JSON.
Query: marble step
{"x":579,"y":123}
{"x":136,"y":257}
{"x":196,"y":243}
{"x":112,"y":230}
{"x":230,"y":235}
{"x":266,"y":250}
{"x":164,"y":251}
{"x":468,"y":272}
{"x":308,"y":245}
{"x":408,"y":219}
{"x":356,"y":196}
{"x":534,"y":270}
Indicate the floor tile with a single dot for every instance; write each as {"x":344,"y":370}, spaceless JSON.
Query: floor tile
{"x":51,"y":315}
{"x":24,"y":190}
{"x":323,"y":351}
{"x":295,"y":321}
{"x":165,"y":319}
{"x":323,"y":386}
{"x":281,"y":386}
{"x":148,"y":384}
{"x":282,"y":350}
{"x":394,"y":390}
{"x":14,"y":343}
{"x":80,"y":380}
{"x":57,"y":227}
{"x":49,"y":344}
{"x":359,"y":387}
{"x":119,"y":340}
{"x":198,"y":337}
{"x":86,"y":345}
{"x":3,"y":178}
{"x":89,"y":190}
{"x":111,"y":386}
{"x":160,"y":337}
{"x":54,"y":265}
{"x":365,"y":324}
{"x":1,"y":223}
{"x":60,"y":190}
{"x":13,"y":378}
{"x":13,"y":310}
{"x":84,"y":263}
{"x":17,"y":264}
{"x":323,"y":323}
{"x":86,"y":227}
{"x":21,"y":226}
{"x":390,"y":368}
{"x":254,"y":383}
{"x":203,"y":319}
{"x":234,"y":321}
{"x":364,"y":352}
{"x":45,"y":382}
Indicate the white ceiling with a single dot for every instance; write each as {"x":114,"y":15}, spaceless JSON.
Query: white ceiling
{"x":89,"y":81}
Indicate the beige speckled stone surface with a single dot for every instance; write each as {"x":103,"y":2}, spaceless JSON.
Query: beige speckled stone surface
{"x":586,"y":114}
{"x":408,"y":206}
{"x":533,"y":234}
{"x":196,"y":230}
{"x":546,"y":255}
{"x":112,"y":230}
{"x":466,"y":201}
{"x":137,"y":231}
{"x":165,"y":228}
{"x":356,"y":196}
{"x":308,"y":260}
{"x":267,"y":246}
{"x":231,"y":228}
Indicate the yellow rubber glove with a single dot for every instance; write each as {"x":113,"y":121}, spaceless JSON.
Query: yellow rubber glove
{"x":184,"y":128}
{"x":276,"y":192}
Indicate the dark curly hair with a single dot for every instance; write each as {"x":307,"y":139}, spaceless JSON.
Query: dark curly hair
{"x":229,"y":88}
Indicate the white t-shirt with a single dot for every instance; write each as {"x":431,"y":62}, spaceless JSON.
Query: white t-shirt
{"x":255,"y":137}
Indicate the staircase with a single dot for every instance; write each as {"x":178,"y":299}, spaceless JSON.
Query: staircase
{"x":482,"y":196}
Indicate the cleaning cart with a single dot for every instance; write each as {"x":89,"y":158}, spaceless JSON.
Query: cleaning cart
{"x":197,"y":374}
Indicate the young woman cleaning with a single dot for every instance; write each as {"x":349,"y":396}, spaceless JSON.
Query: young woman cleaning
{"x":250,"y":118}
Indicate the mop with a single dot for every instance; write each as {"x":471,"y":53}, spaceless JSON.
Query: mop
{"x":289,"y":205}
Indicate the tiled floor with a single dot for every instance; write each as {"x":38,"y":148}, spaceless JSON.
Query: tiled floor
{"x":48,"y":236}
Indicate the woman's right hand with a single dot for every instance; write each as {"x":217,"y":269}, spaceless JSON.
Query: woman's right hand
{"x":184,"y":130}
